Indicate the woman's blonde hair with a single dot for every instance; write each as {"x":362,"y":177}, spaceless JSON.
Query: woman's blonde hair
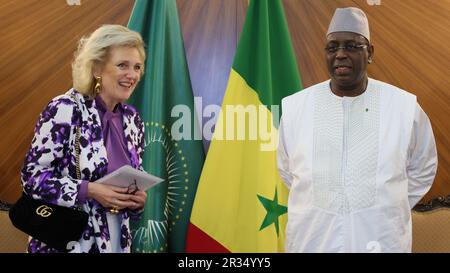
{"x":93,"y":51}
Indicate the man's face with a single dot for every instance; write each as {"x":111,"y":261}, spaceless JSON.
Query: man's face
{"x":347,"y":66}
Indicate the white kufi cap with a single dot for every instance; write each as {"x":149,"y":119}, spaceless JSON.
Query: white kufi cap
{"x":350,"y":20}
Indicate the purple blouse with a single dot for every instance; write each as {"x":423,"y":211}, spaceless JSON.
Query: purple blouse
{"x":113,"y":138}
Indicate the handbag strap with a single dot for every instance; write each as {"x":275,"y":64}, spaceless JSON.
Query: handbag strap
{"x":77,"y":144}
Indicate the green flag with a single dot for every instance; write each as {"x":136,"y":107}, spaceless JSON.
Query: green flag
{"x":165,"y":101}
{"x":240,"y":178}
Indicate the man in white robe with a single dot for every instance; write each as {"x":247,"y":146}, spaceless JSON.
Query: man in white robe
{"x":356,"y":153}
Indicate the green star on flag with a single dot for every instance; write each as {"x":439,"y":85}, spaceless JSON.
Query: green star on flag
{"x":274,"y":210}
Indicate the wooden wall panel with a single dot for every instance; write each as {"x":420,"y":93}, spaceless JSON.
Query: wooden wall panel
{"x":37,"y":42}
{"x":411,"y":41}
{"x":38,"y":39}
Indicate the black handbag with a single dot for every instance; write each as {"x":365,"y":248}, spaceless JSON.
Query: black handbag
{"x":54,"y":225}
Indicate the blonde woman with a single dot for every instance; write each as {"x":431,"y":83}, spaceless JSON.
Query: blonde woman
{"x":107,"y":67}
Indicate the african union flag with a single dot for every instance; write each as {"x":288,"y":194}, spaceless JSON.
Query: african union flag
{"x":164,"y":88}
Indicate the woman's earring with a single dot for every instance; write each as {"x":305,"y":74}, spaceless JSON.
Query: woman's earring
{"x":98,"y":85}
{"x":370,"y":61}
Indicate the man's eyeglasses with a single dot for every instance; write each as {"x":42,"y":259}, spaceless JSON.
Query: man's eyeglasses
{"x":347,"y":47}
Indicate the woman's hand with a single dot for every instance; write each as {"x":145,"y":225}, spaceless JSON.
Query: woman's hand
{"x":112,"y":197}
{"x":138,"y":199}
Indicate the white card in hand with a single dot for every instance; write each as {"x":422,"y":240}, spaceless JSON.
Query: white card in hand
{"x":128,"y":177}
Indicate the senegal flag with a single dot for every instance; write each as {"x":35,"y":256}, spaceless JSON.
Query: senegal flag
{"x":241,"y":202}
{"x":165,"y":101}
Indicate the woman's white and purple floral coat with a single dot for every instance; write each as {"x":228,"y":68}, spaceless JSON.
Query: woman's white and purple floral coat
{"x":49,"y":171}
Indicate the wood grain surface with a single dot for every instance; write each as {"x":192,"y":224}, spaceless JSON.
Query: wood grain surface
{"x":411,"y":40}
{"x":38,"y":38}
